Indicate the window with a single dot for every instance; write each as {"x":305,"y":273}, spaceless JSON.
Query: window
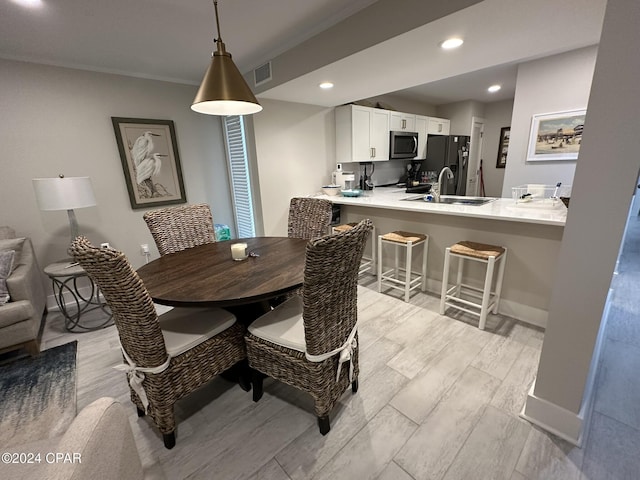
{"x":234,"y":131}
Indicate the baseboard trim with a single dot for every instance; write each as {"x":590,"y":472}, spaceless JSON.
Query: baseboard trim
{"x":553,"y":418}
{"x":560,"y":421}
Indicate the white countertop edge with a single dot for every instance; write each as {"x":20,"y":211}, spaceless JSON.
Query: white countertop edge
{"x":504,"y":209}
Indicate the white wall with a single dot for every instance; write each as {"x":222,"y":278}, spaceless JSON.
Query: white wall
{"x":295,"y":148}
{"x":460,"y":114}
{"x":58,"y":120}
{"x":553,"y":84}
{"x":496,"y":115}
{"x":595,"y":226}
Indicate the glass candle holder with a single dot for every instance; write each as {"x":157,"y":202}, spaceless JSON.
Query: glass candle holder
{"x":238,"y":251}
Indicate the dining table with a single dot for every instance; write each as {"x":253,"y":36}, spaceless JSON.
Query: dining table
{"x":208,"y":276}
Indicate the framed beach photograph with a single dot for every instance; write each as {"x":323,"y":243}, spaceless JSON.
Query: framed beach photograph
{"x":556,"y":136}
{"x":150,"y":161}
{"x":503,"y":147}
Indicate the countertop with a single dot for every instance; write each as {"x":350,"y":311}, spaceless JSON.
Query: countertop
{"x":499,"y":209}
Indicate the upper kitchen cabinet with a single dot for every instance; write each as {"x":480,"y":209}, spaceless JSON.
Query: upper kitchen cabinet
{"x":362,"y":134}
{"x":402,"y":121}
{"x":438,"y":126}
{"x":422,"y":124}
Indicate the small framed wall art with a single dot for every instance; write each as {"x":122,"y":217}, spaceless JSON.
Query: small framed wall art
{"x":556,"y":136}
{"x":503,"y":147}
{"x":150,"y":161}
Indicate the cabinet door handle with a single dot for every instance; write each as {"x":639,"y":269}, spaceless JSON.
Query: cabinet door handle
{"x":404,"y":124}
{"x":373,"y":152}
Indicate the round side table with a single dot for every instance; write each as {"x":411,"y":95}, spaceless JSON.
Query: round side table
{"x":64,"y":277}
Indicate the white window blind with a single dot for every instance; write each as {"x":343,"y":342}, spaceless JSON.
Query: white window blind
{"x":239,"y":173}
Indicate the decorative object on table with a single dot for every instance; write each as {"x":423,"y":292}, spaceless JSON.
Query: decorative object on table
{"x":21,"y":316}
{"x":73,"y":301}
{"x":503,"y":147}
{"x":353,"y":192}
{"x":176,"y":228}
{"x":38,"y":395}
{"x":311,"y":342}
{"x":150,"y":161}
{"x":65,"y":193}
{"x":166,"y":357}
{"x":331,"y":189}
{"x":239,"y":251}
{"x":223,"y":90}
{"x":540,"y":195}
{"x":556,"y":136}
{"x":308,"y":217}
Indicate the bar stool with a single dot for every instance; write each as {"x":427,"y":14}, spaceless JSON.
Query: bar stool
{"x":478,"y":252}
{"x":391,"y":277}
{"x":368,"y":264}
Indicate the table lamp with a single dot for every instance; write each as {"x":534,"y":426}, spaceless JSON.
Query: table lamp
{"x":65,"y":193}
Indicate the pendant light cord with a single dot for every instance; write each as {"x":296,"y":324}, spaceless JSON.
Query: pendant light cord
{"x":215,"y":6}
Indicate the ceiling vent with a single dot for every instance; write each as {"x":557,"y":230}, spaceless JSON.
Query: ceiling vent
{"x":262,"y":74}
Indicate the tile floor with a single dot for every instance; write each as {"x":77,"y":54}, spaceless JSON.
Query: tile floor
{"x":438,"y":399}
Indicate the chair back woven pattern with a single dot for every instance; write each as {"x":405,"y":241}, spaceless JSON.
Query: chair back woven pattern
{"x":308,"y":217}
{"x":178,"y":228}
{"x":133,"y":310}
{"x":330,"y":287}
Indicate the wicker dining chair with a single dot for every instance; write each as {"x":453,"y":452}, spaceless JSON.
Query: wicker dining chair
{"x":308,"y":217}
{"x":173,"y":354}
{"x":289,"y":343}
{"x":178,"y":228}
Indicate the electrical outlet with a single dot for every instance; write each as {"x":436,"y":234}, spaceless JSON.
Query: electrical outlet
{"x":105,"y":245}
{"x":144,"y":249}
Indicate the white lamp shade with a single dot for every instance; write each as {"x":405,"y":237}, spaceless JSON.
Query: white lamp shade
{"x":64,"y":193}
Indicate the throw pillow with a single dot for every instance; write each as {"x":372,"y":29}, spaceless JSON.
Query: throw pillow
{"x":6,"y":264}
{"x":14,"y":244}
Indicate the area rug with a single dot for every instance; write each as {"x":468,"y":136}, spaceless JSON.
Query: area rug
{"x":38,"y":395}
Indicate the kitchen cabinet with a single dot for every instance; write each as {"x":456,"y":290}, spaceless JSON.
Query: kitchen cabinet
{"x":438,"y":126}
{"x":422,"y":124}
{"x":399,"y":121}
{"x":362,"y":134}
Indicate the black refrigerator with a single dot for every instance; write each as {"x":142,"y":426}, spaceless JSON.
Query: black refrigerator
{"x":449,"y":151}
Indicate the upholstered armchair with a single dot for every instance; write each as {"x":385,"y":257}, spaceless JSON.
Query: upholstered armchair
{"x":21,"y":315}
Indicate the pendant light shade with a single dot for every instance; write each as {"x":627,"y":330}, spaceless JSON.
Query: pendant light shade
{"x":223,"y":90}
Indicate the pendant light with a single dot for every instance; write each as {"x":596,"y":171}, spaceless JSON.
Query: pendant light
{"x":223,"y":90}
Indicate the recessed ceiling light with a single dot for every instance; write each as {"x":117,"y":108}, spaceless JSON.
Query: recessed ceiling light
{"x":29,"y":3}
{"x":451,"y":43}
{"x":494,"y":88}
{"x":326,"y":85}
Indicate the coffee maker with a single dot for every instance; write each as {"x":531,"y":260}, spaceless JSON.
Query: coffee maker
{"x":365,"y":178}
{"x":343,"y":178}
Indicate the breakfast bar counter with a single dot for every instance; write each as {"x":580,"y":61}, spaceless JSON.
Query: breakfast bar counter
{"x":532,"y":233}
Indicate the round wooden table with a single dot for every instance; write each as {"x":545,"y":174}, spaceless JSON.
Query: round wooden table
{"x":207,"y":276}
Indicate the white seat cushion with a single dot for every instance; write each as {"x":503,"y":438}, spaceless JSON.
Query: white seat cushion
{"x":184,"y":328}
{"x":283,"y":325}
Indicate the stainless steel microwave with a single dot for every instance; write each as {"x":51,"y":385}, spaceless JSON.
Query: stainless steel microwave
{"x":403,"y":144}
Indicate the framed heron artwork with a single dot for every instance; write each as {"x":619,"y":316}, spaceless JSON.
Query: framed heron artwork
{"x":150,"y":161}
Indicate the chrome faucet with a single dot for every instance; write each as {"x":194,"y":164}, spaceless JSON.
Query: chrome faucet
{"x":449,"y":177}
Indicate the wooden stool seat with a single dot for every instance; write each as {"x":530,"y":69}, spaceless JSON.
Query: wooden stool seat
{"x":400,"y":236}
{"x":489,"y":300}
{"x":391,"y":277}
{"x":477,"y":250}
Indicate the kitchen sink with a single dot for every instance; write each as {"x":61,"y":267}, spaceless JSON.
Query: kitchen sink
{"x":454,"y":200}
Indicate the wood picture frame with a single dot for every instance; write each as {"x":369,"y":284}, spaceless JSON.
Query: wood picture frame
{"x":556,"y":136}
{"x":503,"y":147}
{"x":150,"y":161}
